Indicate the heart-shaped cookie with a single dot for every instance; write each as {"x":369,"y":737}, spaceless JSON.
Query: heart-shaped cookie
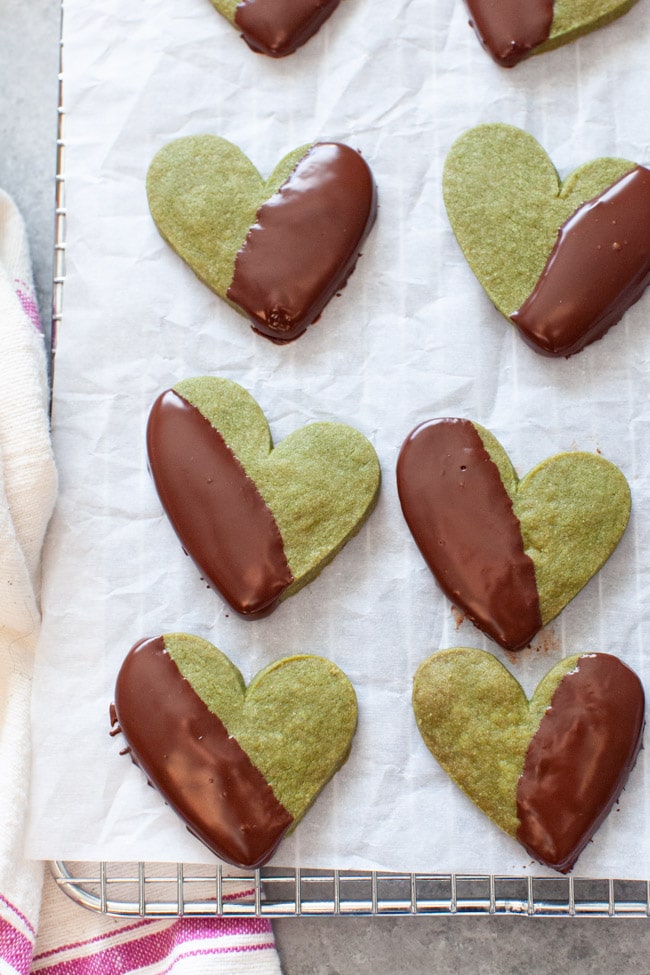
{"x":276,"y":27}
{"x":562,"y":260}
{"x":510,"y":30}
{"x":259,"y":522}
{"x":511,"y":554}
{"x":548,"y":770}
{"x":241,"y":766}
{"x":278,"y":250}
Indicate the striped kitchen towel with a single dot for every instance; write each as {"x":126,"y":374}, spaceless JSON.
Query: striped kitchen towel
{"x":41,"y":930}
{"x":73,"y":942}
{"x":27,"y":491}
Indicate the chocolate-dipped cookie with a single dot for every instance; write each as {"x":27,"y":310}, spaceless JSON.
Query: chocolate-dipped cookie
{"x":275,"y":250}
{"x":511,"y":31}
{"x":563,"y":261}
{"x":260,"y":522}
{"x":276,"y":27}
{"x":509,"y":553}
{"x":548,"y":770}
{"x":240,"y":765}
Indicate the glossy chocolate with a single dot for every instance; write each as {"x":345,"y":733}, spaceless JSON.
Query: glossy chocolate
{"x":510,"y":29}
{"x":599,"y":266}
{"x":579,"y":759}
{"x":305,"y":242}
{"x":279,"y":27}
{"x":187,"y":754}
{"x":462,"y":519}
{"x":216,"y":510}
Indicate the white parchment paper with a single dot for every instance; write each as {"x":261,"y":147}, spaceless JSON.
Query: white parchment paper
{"x":411,"y":337}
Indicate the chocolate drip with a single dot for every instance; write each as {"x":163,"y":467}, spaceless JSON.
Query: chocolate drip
{"x":186,"y":752}
{"x":279,"y":27}
{"x":510,"y":29}
{"x":115,"y":726}
{"x":462,"y":519}
{"x":579,"y":759}
{"x":216,"y":510}
{"x":599,"y":266}
{"x":305,"y":242}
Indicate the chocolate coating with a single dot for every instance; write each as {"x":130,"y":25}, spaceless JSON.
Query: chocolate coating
{"x":216,"y":510}
{"x":599,"y":266}
{"x":187,"y":754}
{"x":579,"y":759}
{"x":305,"y":242}
{"x":510,"y":29}
{"x":462,"y":519}
{"x":279,"y":27}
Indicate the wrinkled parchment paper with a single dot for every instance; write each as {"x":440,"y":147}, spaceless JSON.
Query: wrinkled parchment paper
{"x":412,"y":336}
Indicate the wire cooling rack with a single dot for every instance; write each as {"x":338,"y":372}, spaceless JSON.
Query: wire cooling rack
{"x":147,"y":890}
{"x":60,"y":214}
{"x":154,"y":890}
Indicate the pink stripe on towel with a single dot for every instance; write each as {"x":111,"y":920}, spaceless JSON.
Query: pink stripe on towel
{"x":164,"y":948}
{"x":19,"y":914}
{"x":28,"y":304}
{"x":15,"y":948}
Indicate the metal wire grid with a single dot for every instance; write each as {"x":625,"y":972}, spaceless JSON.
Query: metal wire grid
{"x":60,"y":214}
{"x":148,"y":890}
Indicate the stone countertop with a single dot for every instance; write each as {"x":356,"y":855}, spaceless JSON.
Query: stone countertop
{"x":29,"y":67}
{"x":29,"y":34}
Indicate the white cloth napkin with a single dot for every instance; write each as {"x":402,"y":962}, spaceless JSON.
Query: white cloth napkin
{"x":27,"y":492}
{"x":58,"y":936}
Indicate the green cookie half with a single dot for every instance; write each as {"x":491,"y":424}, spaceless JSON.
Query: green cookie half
{"x":506,"y":205}
{"x":241,"y":765}
{"x":259,"y":521}
{"x":573,"y":509}
{"x":548,"y":770}
{"x":573,"y":18}
{"x":204,"y":194}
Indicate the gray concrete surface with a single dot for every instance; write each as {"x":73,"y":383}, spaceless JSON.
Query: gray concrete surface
{"x":325,"y":946}
{"x":464,"y":946}
{"x":29,"y":63}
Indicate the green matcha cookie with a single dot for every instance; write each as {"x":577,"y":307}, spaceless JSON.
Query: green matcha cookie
{"x":259,"y":521}
{"x":240,"y":765}
{"x":511,"y":30}
{"x":275,"y":250}
{"x":510,"y":553}
{"x":548,"y":770}
{"x":276,"y":27}
{"x":563,"y":260}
